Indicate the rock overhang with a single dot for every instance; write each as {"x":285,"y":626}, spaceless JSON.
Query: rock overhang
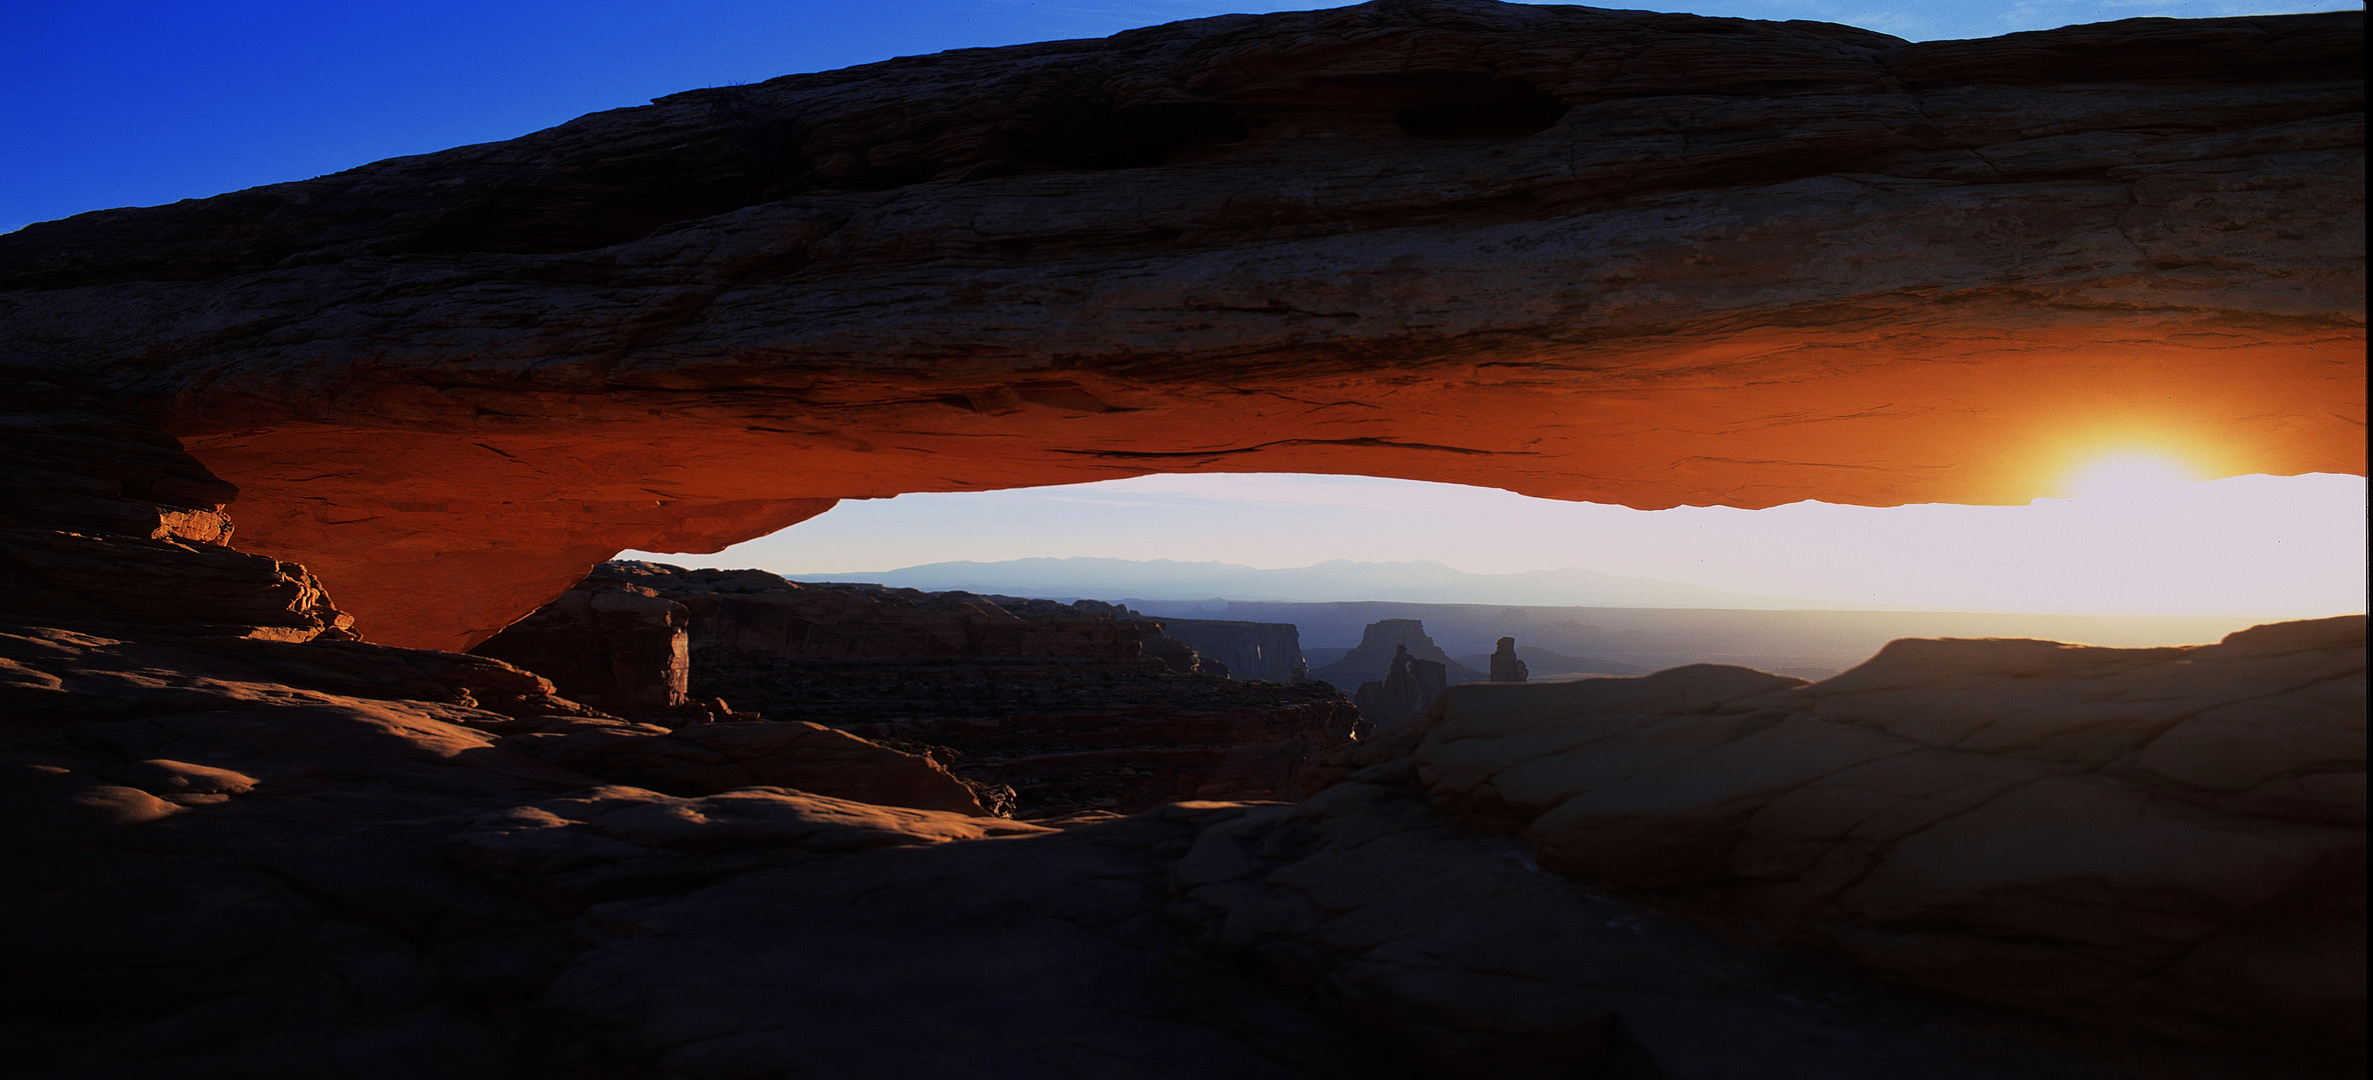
{"x":1617,"y":256}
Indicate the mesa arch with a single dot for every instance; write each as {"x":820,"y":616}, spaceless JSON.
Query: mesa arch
{"x":1619,"y":256}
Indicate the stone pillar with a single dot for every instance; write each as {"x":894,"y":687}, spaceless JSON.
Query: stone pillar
{"x":1505,"y":667}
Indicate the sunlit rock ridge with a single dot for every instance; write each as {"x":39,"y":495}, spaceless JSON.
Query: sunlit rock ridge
{"x":1620,"y":256}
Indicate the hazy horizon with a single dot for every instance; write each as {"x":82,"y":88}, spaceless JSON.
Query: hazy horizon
{"x":2260,"y":546}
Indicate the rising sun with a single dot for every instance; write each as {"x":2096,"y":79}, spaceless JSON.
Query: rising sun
{"x":2125,"y":475}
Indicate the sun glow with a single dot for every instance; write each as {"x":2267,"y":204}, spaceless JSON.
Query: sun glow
{"x":2120,"y":476}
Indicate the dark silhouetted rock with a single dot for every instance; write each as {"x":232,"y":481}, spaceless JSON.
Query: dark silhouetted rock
{"x":1269,"y":652}
{"x":1506,"y":666}
{"x":1408,"y":687}
{"x":1380,"y":642}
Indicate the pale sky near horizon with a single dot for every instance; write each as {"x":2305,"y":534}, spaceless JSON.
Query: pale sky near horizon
{"x":2291,"y":547}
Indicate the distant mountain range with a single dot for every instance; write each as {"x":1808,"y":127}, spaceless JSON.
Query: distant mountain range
{"x":1333,"y":581}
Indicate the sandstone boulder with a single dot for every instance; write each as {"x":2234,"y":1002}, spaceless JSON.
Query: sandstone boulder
{"x":609,"y":644}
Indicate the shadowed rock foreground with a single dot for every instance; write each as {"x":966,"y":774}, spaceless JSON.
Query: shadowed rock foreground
{"x":216,"y":869}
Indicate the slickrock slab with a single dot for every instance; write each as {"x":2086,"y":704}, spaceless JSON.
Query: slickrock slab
{"x":1622,"y":256}
{"x":1287,"y":942}
{"x":2169,"y":840}
{"x":1345,"y":896}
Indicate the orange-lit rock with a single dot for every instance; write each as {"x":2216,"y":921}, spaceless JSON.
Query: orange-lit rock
{"x":1629,"y":257}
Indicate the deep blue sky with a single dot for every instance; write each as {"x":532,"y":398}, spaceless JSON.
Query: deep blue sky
{"x":112,"y":103}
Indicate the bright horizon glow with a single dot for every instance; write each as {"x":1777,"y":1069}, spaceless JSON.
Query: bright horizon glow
{"x":2260,"y":546}
{"x":2129,"y":475}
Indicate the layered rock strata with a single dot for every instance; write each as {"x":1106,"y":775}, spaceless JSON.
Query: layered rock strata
{"x":1629,"y":257}
{"x":105,"y":521}
{"x":2160,"y":840}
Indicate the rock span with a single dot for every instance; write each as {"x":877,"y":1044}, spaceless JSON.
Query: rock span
{"x":1621,"y":256}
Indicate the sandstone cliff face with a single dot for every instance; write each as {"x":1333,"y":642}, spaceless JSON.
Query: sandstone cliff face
{"x":2169,"y":840}
{"x":1671,"y":259}
{"x":755,"y":612}
{"x":1269,"y":652}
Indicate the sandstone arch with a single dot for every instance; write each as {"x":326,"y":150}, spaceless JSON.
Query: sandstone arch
{"x":1636,"y":258}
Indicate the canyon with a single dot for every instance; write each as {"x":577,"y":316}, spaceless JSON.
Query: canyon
{"x":278,"y":459}
{"x":1042,"y":708}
